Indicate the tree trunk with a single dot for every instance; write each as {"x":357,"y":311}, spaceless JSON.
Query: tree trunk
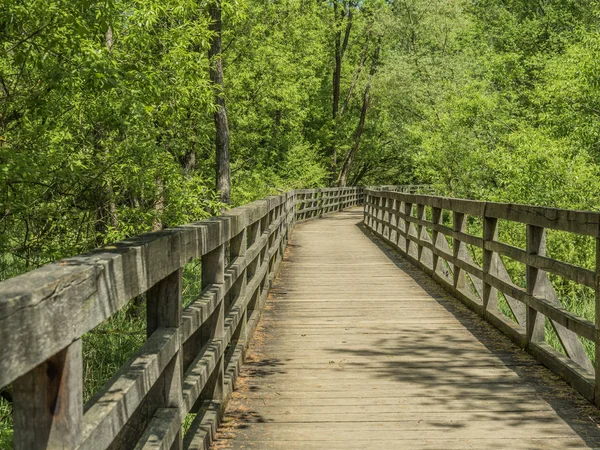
{"x":188,"y":163}
{"x":340,"y":49}
{"x":223,"y":174}
{"x":109,"y":194}
{"x":159,"y":205}
{"x":361,"y":64}
{"x":342,"y":179}
{"x":361,"y":173}
{"x":359,"y":131}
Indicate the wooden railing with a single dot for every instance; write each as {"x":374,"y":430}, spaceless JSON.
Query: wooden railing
{"x":192,"y":355}
{"x":415,"y":225}
{"x":317,"y":202}
{"x":427,"y":189}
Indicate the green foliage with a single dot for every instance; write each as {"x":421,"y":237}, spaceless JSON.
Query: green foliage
{"x":499,"y":100}
{"x":101,"y":102}
{"x":110,"y":345}
{"x":106,"y":126}
{"x":6,"y":424}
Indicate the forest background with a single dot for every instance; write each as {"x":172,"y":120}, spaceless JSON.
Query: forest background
{"x":115,"y":116}
{"x":107,"y":108}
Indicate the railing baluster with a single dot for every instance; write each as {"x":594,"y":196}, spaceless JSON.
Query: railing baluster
{"x":436,"y":219}
{"x":597,"y":323}
{"x":490,"y":265}
{"x":407,"y":213}
{"x":394,"y":222}
{"x":459,"y":250}
{"x":238,"y":290}
{"x":213,"y":273}
{"x":536,"y":245}
{"x":421,"y":215}
{"x":385,"y":217}
{"x":163,"y":310}
{"x":380,"y":214}
{"x":48,"y":403}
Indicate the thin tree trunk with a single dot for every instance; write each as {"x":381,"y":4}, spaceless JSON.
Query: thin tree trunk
{"x":361,"y":173}
{"x":223,"y":173}
{"x":361,"y":64}
{"x":340,"y":49}
{"x":342,"y":179}
{"x":159,"y":205}
{"x":113,"y":214}
{"x":188,"y":163}
{"x":359,"y":131}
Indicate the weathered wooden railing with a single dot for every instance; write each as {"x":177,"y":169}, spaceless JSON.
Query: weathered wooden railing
{"x":317,"y":202}
{"x":426,"y":189}
{"x":414,"y":224}
{"x":191,"y":357}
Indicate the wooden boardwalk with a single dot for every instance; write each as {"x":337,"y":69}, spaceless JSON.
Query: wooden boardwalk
{"x":357,"y":349}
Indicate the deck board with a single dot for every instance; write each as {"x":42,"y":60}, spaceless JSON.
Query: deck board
{"x":357,"y":349}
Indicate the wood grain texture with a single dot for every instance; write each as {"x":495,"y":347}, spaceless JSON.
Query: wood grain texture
{"x":358,"y":349}
{"x":48,"y":403}
{"x":475,"y":284}
{"x":85,"y":290}
{"x":44,"y":313}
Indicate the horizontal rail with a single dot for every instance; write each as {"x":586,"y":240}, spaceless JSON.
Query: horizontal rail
{"x":192,"y":355}
{"x":414,"y":224}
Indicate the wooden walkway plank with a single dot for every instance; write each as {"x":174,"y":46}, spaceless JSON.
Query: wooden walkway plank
{"x":357,"y":349}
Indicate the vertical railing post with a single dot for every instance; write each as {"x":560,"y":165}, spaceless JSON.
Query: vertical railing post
{"x":300,"y":205}
{"x":380,"y":211}
{"x":490,"y":264}
{"x":280,"y":231}
{"x":163,"y":310}
{"x":385,"y":232}
{"x":536,"y":245}
{"x":290,"y":208}
{"x":284,"y":224}
{"x":372,"y":213}
{"x":372,"y":200}
{"x":304,"y":206}
{"x":48,"y":403}
{"x":263,"y":259}
{"x":393,"y":218}
{"x":421,"y":215}
{"x":320,"y":202}
{"x":238,"y":290}
{"x":459,"y":250}
{"x":213,"y":273}
{"x":375,"y":208}
{"x":316,"y":203}
{"x":397,"y":207}
{"x":597,"y":322}
{"x":271,"y":239}
{"x":407,"y":213}
{"x":254,"y":233}
{"x":436,"y":219}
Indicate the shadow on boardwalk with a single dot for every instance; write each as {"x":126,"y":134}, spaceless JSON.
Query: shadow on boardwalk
{"x":358,"y":349}
{"x":448,"y":375}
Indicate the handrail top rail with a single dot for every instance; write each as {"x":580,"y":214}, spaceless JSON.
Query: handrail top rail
{"x":46,"y":309}
{"x":207,"y":234}
{"x":573,"y":221}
